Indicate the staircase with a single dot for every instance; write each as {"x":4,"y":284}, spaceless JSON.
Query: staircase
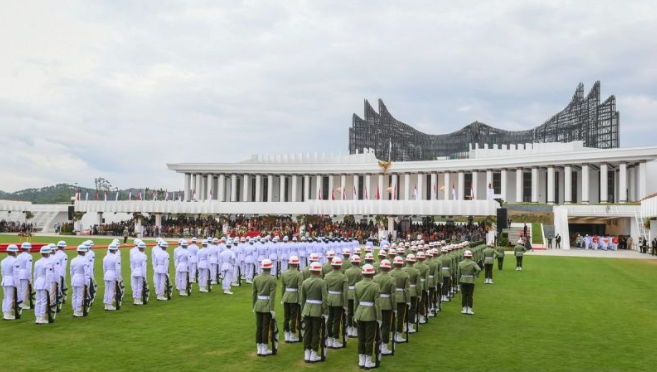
{"x":515,"y":232}
{"x":641,"y":228}
{"x":42,"y":220}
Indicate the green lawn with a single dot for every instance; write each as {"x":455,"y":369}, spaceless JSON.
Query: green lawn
{"x":559,"y":314}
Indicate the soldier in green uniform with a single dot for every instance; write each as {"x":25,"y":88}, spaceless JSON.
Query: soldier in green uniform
{"x":314,"y":257}
{"x":377,"y":266}
{"x":327,"y":266}
{"x":500,"y":257}
{"x":354,"y":275}
{"x":467,"y":271}
{"x":290,"y":283}
{"x":387,"y":290}
{"x":402,"y":297}
{"x":368,"y":317}
{"x":414,"y":284}
{"x":369,"y":260}
{"x":264,"y":298}
{"x":445,"y":263}
{"x":314,"y":307}
{"x":346,"y":263}
{"x":519,"y":252}
{"x":489,"y":258}
{"x":337,"y":288}
{"x":392,"y":253}
{"x":423,"y":288}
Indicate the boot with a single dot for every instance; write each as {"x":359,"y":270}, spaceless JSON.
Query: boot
{"x":470,"y":312}
{"x":138,"y":301}
{"x":182,"y":293}
{"x":9,"y":316}
{"x":422,"y":319}
{"x":77,"y":313}
{"x":306,"y":355}
{"x":369,"y":363}
{"x":109,"y":307}
{"x":161,"y":298}
{"x":490,"y":281}
{"x":337,"y":344}
{"x":235,"y":285}
{"x":465,"y":310}
{"x":25,"y":306}
{"x":287,"y":336}
{"x":203,"y":290}
{"x":249,"y":281}
{"x":265,"y":350}
{"x":293,"y":337}
{"x":354,"y":332}
{"x":259,"y":347}
{"x":399,"y":338}
{"x":227,"y":292}
{"x":385,"y":350}
{"x":314,"y":357}
{"x":361,"y":360}
{"x":411,"y":328}
{"x":213,"y":282}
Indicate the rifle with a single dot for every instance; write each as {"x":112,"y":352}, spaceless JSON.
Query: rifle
{"x":322,"y":338}
{"x":343,"y":328}
{"x":18,"y":311}
{"x":376,"y":353}
{"x":64,"y":288}
{"x":92,"y":291}
{"x":119,"y":292}
{"x":58,"y":297}
{"x":51,"y":311}
{"x":188,"y":288}
{"x":168,"y":288}
{"x":31,"y":294}
{"x":417,"y":313}
{"x":86,"y":301}
{"x":393,"y":327}
{"x":299,"y":323}
{"x":273,"y":335}
{"x":425,"y":302}
{"x":209,"y":281}
{"x":145,"y":291}
{"x":239,"y":275}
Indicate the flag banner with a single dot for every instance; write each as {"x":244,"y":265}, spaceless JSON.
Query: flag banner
{"x":355,"y":193}
{"x":86,"y":195}
{"x":130,"y":195}
{"x":96,"y":196}
{"x":367,"y":194}
{"x":344,"y":194}
{"x":105,"y":195}
{"x":472,"y":194}
{"x":333,"y":194}
{"x":378,"y":194}
{"x":117,"y":194}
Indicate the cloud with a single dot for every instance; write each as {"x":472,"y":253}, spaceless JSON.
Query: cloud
{"x":120,"y":88}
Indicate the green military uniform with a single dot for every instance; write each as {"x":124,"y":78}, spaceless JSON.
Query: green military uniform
{"x":423,"y":291}
{"x":326,"y":268}
{"x":446,"y":272}
{"x":290,"y":283}
{"x":414,"y":292}
{"x":434,"y":276}
{"x":402,"y":297}
{"x":368,"y":313}
{"x":500,"y":257}
{"x":264,"y":298}
{"x":467,"y":271}
{"x":346,"y":264}
{"x":353,"y":275}
{"x":387,"y":291}
{"x":489,"y":259}
{"x":306,"y":272}
{"x":519,"y":252}
{"x":313,"y":307}
{"x":337,"y":289}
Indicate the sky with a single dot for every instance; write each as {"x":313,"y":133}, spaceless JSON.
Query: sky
{"x":119,"y":88}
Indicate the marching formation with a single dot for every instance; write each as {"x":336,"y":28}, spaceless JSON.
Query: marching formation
{"x":379,"y":303}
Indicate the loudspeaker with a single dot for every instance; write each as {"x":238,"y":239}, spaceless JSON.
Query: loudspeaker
{"x":502,"y":221}
{"x":71,"y":209}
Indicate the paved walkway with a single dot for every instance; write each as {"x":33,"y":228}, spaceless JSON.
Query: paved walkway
{"x":591,"y":253}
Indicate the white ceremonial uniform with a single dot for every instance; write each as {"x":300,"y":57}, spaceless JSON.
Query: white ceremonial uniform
{"x":249,"y":251}
{"x":203,"y":268}
{"x":160,"y":271}
{"x":138,"y":273}
{"x":227,"y":262}
{"x":181,"y":262}
{"x":303,"y":253}
{"x":111,"y":275}
{"x":43,"y":274}
{"x":273,"y":250}
{"x":213,"y":260}
{"x":25,"y":275}
{"x":53,"y":264}
{"x":262,"y":253}
{"x":239,"y":253}
{"x":284,"y":249}
{"x":62,"y":258}
{"x":9,"y":268}
{"x":193,"y":261}
{"x":80,"y":276}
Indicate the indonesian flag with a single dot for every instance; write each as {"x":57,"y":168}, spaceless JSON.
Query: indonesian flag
{"x":415,"y":194}
{"x":166,"y":195}
{"x":130,"y":195}
{"x":333,"y":194}
{"x":378,"y":194}
{"x":77,"y":194}
{"x":435,"y":190}
{"x":367,"y":194}
{"x":355,"y":193}
{"x":394,"y":193}
{"x":139,"y":194}
{"x":319,"y":194}
{"x":472,"y":196}
{"x":154,"y":195}
{"x":194,"y":195}
{"x":211,"y":194}
{"x":96,"y":196}
{"x":105,"y":195}
{"x":453,"y":192}
{"x":86,"y":195}
{"x":117,"y":194}
{"x":344,"y":194}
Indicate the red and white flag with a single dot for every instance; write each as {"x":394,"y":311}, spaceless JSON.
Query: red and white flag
{"x":355,"y":193}
{"x":130,"y":195}
{"x":117,"y":194}
{"x":378,"y":194}
{"x":77,"y":194}
{"x":344,"y":193}
{"x":472,"y":195}
{"x":96,"y":196}
{"x":333,"y":194}
{"x":394,"y":193}
{"x":105,"y":195}
{"x":139,"y":196}
{"x":194,"y":195}
{"x":367,"y":194}
{"x":319,"y":194}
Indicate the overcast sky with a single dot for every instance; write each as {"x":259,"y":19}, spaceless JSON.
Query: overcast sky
{"x":119,"y":88}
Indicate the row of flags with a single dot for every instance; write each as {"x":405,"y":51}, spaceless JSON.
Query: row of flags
{"x":117,"y":195}
{"x":416,"y":195}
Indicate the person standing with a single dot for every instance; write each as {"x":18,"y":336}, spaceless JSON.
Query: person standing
{"x":264,"y":298}
{"x":181,"y":260}
{"x":80,"y":277}
{"x":203,"y":269}
{"x":111,"y":275}
{"x":193,"y":260}
{"x":445,"y":262}
{"x":227,"y":262}
{"x":314,"y":307}
{"x":402,"y":297}
{"x":354,"y":275}
{"x":422,"y":288}
{"x":387,"y":292}
{"x":291,"y":281}
{"x":213,"y":260}
{"x":489,"y":258}
{"x":60,"y":276}
{"x":161,"y":270}
{"x":467,"y":270}
{"x":125,"y":235}
{"x":43,"y":275}
{"x":337,"y":287}
{"x":10,"y":270}
{"x":368,"y":317}
{"x":249,"y":260}
{"x":519,"y":252}
{"x":25,"y":274}
{"x":414,"y":281}
{"x":500,"y":257}
{"x":138,"y":267}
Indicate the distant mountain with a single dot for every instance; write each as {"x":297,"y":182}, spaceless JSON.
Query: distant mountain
{"x":62,"y":193}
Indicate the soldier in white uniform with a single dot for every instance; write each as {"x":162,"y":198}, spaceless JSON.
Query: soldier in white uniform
{"x":227,"y":266}
{"x":111,"y":275}
{"x":10,"y":270}
{"x":181,"y":263}
{"x":203,"y":267}
{"x":249,"y":251}
{"x":161,"y":270}
{"x":262,"y":252}
{"x":193,"y":260}
{"x":273,"y":251}
{"x":53,"y":285}
{"x":43,"y":276}
{"x":303,"y":253}
{"x":80,"y":276}
{"x":213,"y":260}
{"x":138,"y":271}
{"x":62,"y":258}
{"x":239,"y":265}
{"x":24,"y":274}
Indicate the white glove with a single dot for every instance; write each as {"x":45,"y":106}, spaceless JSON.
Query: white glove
{"x":346,"y":309}
{"x":273,"y":314}
{"x":380,"y":323}
{"x":325,"y":318}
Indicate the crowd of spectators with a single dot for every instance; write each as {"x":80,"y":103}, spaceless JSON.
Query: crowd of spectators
{"x":16,"y":227}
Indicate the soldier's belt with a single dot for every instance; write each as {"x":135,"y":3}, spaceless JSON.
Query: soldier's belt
{"x":423,"y":280}
{"x":366,"y":303}
{"x":352,"y":287}
{"x":445,"y":267}
{"x":291,"y":289}
{"x":489,"y":257}
{"x":335,"y":292}
{"x":467,"y":276}
{"x":263,"y":297}
{"x":314,"y":302}
{"x":431,"y":276}
{"x":385,"y":295}
{"x":400,"y":289}
{"x":413,"y":285}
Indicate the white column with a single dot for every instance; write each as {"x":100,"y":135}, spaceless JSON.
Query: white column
{"x":632,"y":183}
{"x":550,"y":184}
{"x":208,"y":187}
{"x":489,"y":178}
{"x":188,"y":187}
{"x":331,"y":187}
{"x":281,"y":188}
{"x":270,"y":188}
{"x":475,"y":183}
{"x":643,"y":169}
{"x":318,"y":187}
{"x":534,"y":184}
{"x":221,"y":192}
{"x":379,"y":188}
{"x":368,"y":189}
{"x":407,"y":186}
{"x":294,"y":188}
{"x":306,"y":187}
{"x":503,"y":175}
{"x":622,"y":183}
{"x":420,"y":186}
{"x":199,"y":195}
{"x":355,"y":182}
{"x":585,"y":183}
{"x":604,"y":191}
{"x":568,"y":184}
{"x":461,"y":185}
{"x":447,"y":186}
{"x":393,"y":187}
{"x":343,"y":184}
{"x":245,"y":188}
{"x":158,"y":219}
{"x":434,"y":187}
{"x":233,"y":187}
{"x":519,"y":173}
{"x":258,"y":188}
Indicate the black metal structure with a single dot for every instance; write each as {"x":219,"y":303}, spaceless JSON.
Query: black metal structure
{"x":583,"y":119}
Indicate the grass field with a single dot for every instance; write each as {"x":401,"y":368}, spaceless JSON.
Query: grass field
{"x":559,"y":314}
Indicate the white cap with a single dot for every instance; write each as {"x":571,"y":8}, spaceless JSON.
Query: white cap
{"x":12,"y":248}
{"x":61,"y":244}
{"x":45,"y":249}
{"x":113,"y":247}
